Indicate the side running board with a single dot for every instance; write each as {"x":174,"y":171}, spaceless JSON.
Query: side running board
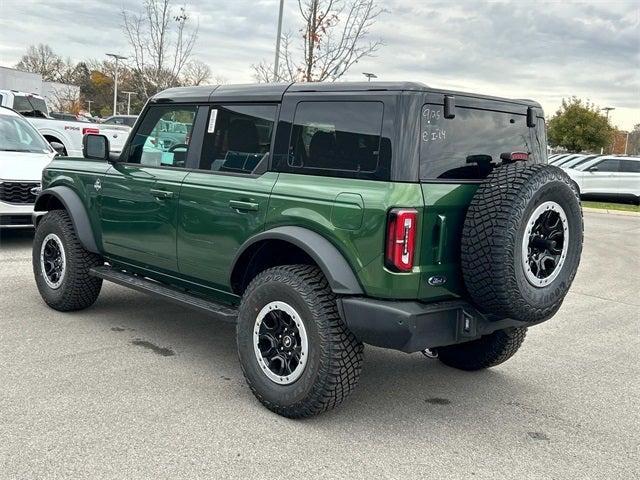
{"x":159,"y":290}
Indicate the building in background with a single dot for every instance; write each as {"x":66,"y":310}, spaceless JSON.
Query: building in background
{"x":59,"y":96}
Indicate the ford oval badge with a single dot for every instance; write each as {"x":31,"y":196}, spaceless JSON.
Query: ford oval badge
{"x":437,"y":280}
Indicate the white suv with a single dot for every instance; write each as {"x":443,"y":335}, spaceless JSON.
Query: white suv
{"x":609,"y":177}
{"x":23,"y":154}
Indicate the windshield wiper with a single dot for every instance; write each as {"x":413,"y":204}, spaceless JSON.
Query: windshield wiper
{"x":16,"y":150}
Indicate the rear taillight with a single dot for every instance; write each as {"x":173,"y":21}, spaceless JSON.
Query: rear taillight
{"x":86,"y":130}
{"x":401,"y":239}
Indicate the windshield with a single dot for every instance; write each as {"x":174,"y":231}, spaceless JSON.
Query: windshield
{"x":30,"y":106}
{"x":468,"y":146}
{"x":17,"y":135}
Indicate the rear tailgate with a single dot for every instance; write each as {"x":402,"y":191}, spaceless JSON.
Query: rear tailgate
{"x":456,"y":154}
{"x":445,"y":206}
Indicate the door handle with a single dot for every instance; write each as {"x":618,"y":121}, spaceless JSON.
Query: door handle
{"x":161,"y":194}
{"x":243,"y":206}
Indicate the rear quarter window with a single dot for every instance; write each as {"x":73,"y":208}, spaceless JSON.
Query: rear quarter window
{"x":630,"y":166}
{"x":468,"y":146}
{"x":338,"y":139}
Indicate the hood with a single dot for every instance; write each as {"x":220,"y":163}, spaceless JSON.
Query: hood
{"x":23,"y":165}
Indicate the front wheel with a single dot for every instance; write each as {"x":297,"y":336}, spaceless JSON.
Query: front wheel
{"x":61,"y":265}
{"x":296,"y":354}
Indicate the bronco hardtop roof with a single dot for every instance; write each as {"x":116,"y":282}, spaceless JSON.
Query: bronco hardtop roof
{"x":273,"y":92}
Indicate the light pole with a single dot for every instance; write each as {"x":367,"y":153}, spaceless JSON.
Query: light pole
{"x":89,"y":102}
{"x":369,"y":75}
{"x":626,"y":143}
{"x":277,"y":59}
{"x":607,"y":110}
{"x":128,"y":101}
{"x":115,"y":80}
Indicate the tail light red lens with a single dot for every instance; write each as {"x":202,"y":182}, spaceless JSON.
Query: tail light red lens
{"x":401,"y":239}
{"x":90,"y":130}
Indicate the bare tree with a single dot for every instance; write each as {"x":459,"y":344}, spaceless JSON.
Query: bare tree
{"x":220,"y":80}
{"x":196,"y":73}
{"x":333,"y":38}
{"x":41,"y":59}
{"x":161,"y":42}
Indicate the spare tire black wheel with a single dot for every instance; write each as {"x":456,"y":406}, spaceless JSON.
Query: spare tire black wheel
{"x":521,"y":241}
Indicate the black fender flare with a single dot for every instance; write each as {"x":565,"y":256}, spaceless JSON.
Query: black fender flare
{"x":76,"y":209}
{"x":335,"y":267}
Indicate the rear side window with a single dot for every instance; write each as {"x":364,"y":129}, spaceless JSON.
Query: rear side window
{"x":238,"y":138}
{"x":630,"y":166}
{"x":30,"y":106}
{"x":468,"y":146}
{"x":338,"y":139}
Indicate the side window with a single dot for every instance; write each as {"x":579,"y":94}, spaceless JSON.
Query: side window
{"x":162,"y":139}
{"x":630,"y":166}
{"x":337,"y":139}
{"x":238,"y":138}
{"x":609,"y":165}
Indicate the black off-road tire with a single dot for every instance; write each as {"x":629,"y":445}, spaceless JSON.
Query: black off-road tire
{"x":485,"y":352}
{"x":492,"y":236}
{"x":334,"y":355}
{"x":78,"y":289}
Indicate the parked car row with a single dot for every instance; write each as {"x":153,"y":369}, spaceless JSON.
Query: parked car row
{"x":606,"y":177}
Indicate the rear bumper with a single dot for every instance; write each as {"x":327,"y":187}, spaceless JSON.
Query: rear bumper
{"x":414,"y":326}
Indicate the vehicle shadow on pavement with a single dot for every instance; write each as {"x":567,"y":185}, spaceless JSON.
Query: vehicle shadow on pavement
{"x":16,"y":238}
{"x":392,"y":383}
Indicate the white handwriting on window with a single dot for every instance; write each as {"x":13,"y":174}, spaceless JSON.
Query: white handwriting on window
{"x":434,"y":135}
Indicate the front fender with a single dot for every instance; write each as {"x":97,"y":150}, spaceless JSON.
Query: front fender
{"x":76,"y":209}
{"x":335,"y":267}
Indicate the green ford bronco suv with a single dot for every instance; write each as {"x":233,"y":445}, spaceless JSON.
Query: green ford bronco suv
{"x":320,"y":217}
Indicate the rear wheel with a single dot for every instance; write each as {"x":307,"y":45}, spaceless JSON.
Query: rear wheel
{"x":485,"y":352}
{"x":296,"y":354}
{"x":61,"y":265}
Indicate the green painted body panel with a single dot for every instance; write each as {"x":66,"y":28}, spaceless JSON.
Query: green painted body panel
{"x":191,"y":239}
{"x":325,"y":204}
{"x":445,"y":206}
{"x":137,"y":226}
{"x":218,"y":213}
{"x":80,"y":175}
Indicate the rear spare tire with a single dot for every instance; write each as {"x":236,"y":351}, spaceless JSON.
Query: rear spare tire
{"x":521,"y":241}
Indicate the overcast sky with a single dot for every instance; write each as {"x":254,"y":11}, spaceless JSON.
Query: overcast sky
{"x":540,"y":50}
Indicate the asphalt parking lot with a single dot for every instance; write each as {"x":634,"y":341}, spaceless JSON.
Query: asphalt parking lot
{"x":139,"y":388}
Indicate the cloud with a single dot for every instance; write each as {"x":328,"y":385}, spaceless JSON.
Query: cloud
{"x":535,"y":49}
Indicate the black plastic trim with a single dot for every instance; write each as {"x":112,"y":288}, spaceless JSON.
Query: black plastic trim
{"x":335,"y":267}
{"x":159,"y":290}
{"x":74,"y":206}
{"x":411,"y":326}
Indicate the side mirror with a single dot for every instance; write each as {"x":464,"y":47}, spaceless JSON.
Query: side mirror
{"x":59,"y":148}
{"x":95,"y":147}
{"x":592,"y":169}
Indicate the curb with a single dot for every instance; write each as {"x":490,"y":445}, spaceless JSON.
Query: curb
{"x":604,"y":211}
